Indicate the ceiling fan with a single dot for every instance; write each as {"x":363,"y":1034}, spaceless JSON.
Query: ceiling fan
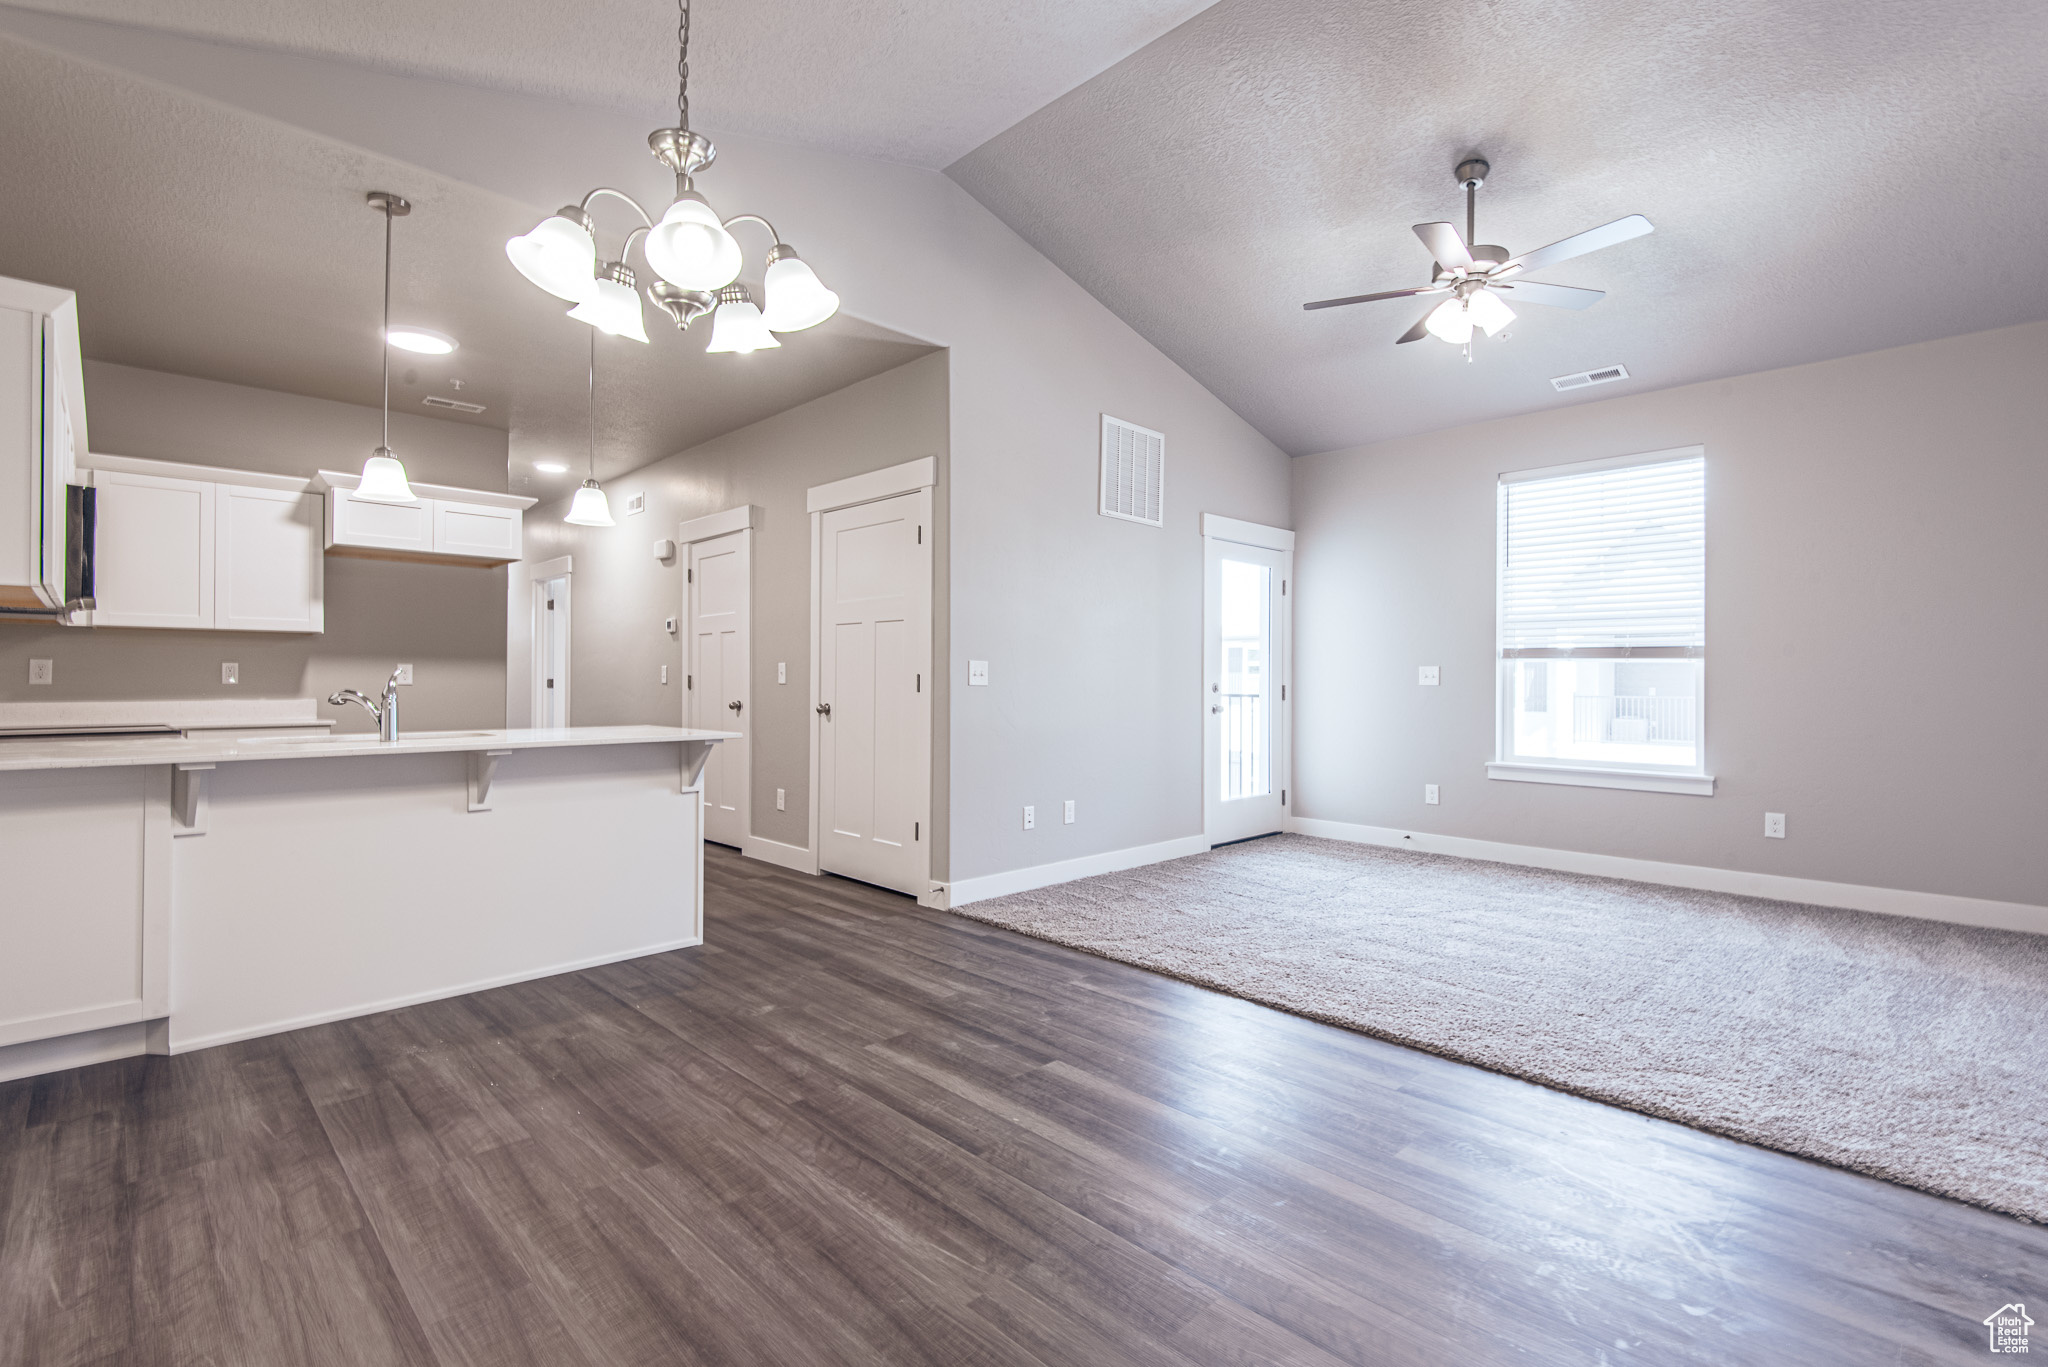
{"x":1483,"y":281}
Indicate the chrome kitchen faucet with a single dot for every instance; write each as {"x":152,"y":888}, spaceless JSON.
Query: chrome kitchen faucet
{"x":387,"y":715}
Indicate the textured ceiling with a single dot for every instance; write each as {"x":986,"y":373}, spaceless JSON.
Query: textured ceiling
{"x":206,"y":241}
{"x":918,"y":81}
{"x":1825,"y":178}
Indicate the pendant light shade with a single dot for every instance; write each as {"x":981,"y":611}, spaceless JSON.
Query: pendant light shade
{"x":383,"y":478}
{"x":589,"y":508}
{"x":615,"y":306}
{"x":691,"y":248}
{"x":796,"y":298}
{"x":737,"y":325}
{"x":560,"y":255}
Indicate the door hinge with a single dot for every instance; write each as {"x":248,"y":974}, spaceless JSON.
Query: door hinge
{"x":689,"y":576}
{"x":1283,"y":797}
{"x":920,"y":533}
{"x":1283,"y":588}
{"x":551,"y":605}
{"x":920,"y":683}
{"x":1283,"y":692}
{"x":915,"y":828}
{"x":689,"y":680}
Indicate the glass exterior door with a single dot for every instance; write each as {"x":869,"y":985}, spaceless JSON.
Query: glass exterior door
{"x":1246,"y":704}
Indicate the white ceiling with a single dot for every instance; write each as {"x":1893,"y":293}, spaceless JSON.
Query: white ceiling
{"x":917,"y":81}
{"x":206,"y":241}
{"x":1826,"y":178}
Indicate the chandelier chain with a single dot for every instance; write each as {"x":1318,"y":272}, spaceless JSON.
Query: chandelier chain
{"x":682,"y":63}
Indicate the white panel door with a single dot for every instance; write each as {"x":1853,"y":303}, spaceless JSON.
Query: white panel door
{"x":153,"y":552}
{"x":1245,"y":682}
{"x":551,"y":651}
{"x":874,"y":729}
{"x":720,"y":696}
{"x":268,"y":566}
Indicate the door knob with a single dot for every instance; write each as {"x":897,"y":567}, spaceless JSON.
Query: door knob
{"x":825,"y":709}
{"x":734,"y":704}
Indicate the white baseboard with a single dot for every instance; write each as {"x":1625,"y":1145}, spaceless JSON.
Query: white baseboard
{"x":36,"y":1056}
{"x":781,"y":855}
{"x":962,"y":891}
{"x":1930,"y":906}
{"x":186,"y":1046}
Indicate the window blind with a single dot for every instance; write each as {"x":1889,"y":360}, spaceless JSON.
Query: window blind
{"x":1605,"y":560}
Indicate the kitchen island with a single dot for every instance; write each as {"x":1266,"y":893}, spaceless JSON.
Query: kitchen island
{"x":166,"y":894}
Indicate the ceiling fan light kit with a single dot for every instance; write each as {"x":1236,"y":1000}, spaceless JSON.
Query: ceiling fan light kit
{"x":1483,"y":281}
{"x":690,"y":250}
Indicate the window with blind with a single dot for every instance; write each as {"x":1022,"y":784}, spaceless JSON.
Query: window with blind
{"x":1602,"y":626}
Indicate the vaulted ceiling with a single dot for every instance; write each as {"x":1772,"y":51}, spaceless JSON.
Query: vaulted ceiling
{"x":1825,"y":178}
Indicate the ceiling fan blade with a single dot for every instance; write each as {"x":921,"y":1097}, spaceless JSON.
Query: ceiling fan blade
{"x":1445,"y":245}
{"x":1557,"y":296}
{"x":1368,"y":298}
{"x":1591,"y":240}
{"x":1420,"y":330}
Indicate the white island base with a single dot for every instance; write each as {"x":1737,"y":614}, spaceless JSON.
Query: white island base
{"x":180,"y":894}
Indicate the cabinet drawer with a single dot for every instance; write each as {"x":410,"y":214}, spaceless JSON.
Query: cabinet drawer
{"x":353,"y":521}
{"x":476,"y":529}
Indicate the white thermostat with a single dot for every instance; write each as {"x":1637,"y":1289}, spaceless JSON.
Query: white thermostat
{"x":664,"y":549}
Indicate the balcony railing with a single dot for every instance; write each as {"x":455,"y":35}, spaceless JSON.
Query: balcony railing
{"x":1246,"y":772}
{"x":1649,"y":720}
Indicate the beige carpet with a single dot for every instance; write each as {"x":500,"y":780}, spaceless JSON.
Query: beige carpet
{"x":1910,"y":1050}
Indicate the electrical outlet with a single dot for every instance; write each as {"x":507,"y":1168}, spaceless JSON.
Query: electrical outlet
{"x":42,"y":671}
{"x":664,"y":673}
{"x":1030,"y":818}
{"x":977,"y":673}
{"x":778,"y":799}
{"x":230,"y":672}
{"x":1429,"y":794}
{"x":1426,"y":675}
{"x":781,"y":671}
{"x":405,"y":674}
{"x":1068,"y":815}
{"x":1774,"y":825}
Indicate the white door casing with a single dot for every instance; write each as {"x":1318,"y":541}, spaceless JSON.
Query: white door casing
{"x":552,"y":581}
{"x":1247,"y":678}
{"x":871,"y":676}
{"x":718,"y":692}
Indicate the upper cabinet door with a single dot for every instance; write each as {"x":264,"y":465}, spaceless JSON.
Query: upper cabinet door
{"x":358,"y":523}
{"x":476,"y":529}
{"x":154,"y":552}
{"x":267,"y":563}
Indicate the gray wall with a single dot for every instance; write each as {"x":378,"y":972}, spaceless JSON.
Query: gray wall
{"x":449,"y":621}
{"x":1875,"y":652}
{"x":620,"y":592}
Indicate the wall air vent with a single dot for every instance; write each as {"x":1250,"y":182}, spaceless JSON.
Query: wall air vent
{"x":1133,"y":472}
{"x":1586,"y":377}
{"x":436,"y":401}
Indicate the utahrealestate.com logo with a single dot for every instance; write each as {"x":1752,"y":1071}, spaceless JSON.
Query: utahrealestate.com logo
{"x":2008,"y":1325}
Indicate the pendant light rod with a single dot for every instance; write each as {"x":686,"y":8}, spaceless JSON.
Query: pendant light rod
{"x":391,"y":206}
{"x":591,"y":449}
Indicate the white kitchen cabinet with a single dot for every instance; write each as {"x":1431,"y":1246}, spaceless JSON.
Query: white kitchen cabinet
{"x":42,"y":435}
{"x":268,"y":571}
{"x":155,"y":552}
{"x":359,"y":524}
{"x":442,"y":524}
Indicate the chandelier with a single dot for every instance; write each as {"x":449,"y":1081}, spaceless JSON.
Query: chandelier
{"x":690,"y":250}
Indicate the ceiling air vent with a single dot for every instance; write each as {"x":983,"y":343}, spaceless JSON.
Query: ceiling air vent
{"x":1586,"y":377}
{"x":1133,"y":471}
{"x":436,"y":401}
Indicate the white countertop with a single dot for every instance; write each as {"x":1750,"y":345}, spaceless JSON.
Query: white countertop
{"x":33,"y":753}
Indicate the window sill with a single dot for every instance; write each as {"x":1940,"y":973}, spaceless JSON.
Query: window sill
{"x":1641,"y":780}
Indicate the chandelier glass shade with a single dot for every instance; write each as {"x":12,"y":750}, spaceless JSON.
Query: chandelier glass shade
{"x":691,"y":252}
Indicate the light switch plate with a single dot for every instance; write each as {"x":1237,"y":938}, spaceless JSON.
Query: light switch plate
{"x":1426,"y":675}
{"x":977,"y":673}
{"x":41,"y":671}
{"x":1069,"y":817}
{"x":1774,"y":825}
{"x":664,"y":673}
{"x":1429,"y":794}
{"x":1030,"y":818}
{"x":405,"y":674}
{"x":782,"y":671}
{"x":230,"y":672}
{"x":778,"y":799}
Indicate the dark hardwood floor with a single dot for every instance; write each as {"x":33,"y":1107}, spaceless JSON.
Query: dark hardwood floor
{"x":848,"y":1130}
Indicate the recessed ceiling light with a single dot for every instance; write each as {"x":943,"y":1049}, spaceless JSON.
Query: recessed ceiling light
{"x":425,"y":341}
{"x":550,"y":467}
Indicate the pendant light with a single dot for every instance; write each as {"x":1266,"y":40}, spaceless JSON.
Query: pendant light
{"x":589,"y":508}
{"x":689,"y":249}
{"x":383,"y":477}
